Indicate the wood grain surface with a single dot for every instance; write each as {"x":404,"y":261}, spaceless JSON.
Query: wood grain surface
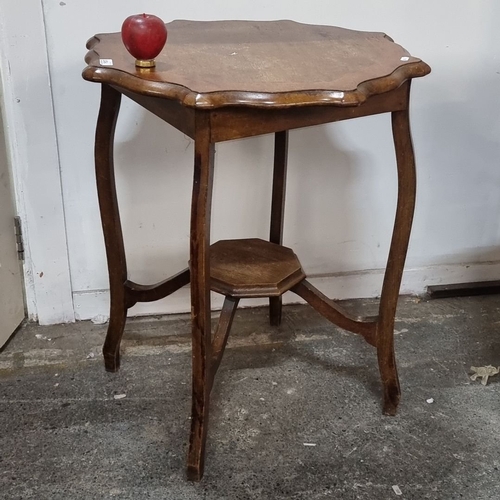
{"x":210,"y":64}
{"x":253,"y":268}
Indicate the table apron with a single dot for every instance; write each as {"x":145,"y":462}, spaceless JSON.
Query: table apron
{"x":173,"y":112}
{"x":239,"y":122}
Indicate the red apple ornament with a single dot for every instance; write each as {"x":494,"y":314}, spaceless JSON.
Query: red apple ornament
{"x":144,"y":36}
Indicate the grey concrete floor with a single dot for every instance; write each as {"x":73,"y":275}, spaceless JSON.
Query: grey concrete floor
{"x":296,"y":411}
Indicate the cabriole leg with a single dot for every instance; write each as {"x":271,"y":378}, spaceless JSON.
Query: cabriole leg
{"x":397,"y":255}
{"x":110,"y":218}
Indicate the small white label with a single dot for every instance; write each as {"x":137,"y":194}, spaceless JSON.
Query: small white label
{"x":405,"y":58}
{"x":106,"y":62}
{"x":338,"y":95}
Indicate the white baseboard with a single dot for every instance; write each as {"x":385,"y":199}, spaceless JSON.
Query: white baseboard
{"x":361,"y":284}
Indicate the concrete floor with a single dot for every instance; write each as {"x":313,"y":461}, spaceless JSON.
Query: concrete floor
{"x":296,"y":411}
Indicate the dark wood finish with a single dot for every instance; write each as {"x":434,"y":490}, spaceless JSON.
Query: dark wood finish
{"x":464,"y":289}
{"x":266,"y":64}
{"x":123,"y":293}
{"x":236,"y":123}
{"x":150,"y":293}
{"x":336,"y":313}
{"x":218,"y":81}
{"x":278,"y":210}
{"x":200,"y":294}
{"x":222,"y":332}
{"x":111,"y":226}
{"x":279,"y":187}
{"x":397,"y":254}
{"x":253,"y":268}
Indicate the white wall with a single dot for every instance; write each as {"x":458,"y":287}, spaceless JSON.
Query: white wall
{"x":32,"y":147}
{"x":341,"y":191}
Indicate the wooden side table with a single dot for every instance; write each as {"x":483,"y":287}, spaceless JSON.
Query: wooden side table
{"x":217,"y":81}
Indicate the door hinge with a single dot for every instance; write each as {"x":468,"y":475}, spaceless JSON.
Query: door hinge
{"x":19,"y":238}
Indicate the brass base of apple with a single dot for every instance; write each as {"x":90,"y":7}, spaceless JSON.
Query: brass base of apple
{"x":145,"y":63}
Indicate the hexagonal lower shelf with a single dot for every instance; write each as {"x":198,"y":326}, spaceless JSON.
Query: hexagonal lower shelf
{"x":253,"y":268}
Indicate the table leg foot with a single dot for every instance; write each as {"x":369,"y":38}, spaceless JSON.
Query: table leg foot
{"x":275,"y":307}
{"x":193,"y":474}
{"x":111,"y":362}
{"x":111,"y":349}
{"x":390,"y":381}
{"x":202,"y":379}
{"x":391,"y":401}
{"x":197,"y":443}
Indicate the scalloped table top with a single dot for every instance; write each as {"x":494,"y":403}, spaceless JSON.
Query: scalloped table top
{"x":211,"y":64}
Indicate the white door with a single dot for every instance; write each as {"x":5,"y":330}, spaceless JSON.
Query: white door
{"x":11,"y":285}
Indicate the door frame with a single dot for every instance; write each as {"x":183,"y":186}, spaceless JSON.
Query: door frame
{"x":32,"y":148}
